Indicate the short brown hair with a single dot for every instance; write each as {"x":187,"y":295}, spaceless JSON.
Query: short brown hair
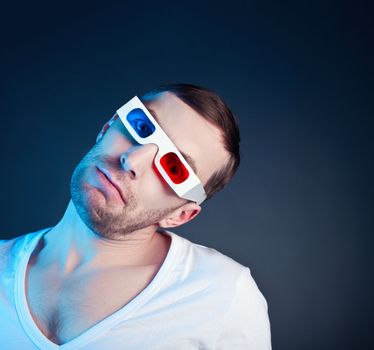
{"x":209,"y":105}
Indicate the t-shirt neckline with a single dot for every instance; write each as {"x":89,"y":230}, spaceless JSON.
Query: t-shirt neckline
{"x":40,"y":340}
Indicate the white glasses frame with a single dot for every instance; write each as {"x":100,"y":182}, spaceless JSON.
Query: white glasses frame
{"x":190,"y":189}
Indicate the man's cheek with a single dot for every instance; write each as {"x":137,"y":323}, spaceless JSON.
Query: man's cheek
{"x":163,"y":185}
{"x":155,"y":193}
{"x":152,"y":193}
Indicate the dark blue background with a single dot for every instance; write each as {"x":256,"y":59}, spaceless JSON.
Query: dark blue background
{"x":299,"y":78}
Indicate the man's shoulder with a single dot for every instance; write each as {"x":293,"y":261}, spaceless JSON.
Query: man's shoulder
{"x":246,"y":320}
{"x":205,"y":252}
{"x":207,"y":261}
{"x":12,"y":248}
{"x":215,"y":258}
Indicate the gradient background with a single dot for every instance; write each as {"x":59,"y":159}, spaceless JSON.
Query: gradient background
{"x":298,"y":75}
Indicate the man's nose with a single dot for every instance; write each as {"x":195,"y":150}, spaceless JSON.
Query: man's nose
{"x":138,"y":159}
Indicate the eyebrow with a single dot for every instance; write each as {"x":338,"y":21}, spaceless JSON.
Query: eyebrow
{"x":188,"y":158}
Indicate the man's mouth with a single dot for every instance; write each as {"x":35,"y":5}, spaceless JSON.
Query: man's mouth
{"x":106,"y":174}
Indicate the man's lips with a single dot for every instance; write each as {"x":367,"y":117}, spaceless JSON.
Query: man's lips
{"x":109,"y":178}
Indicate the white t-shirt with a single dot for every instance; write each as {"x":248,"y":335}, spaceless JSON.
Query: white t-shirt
{"x":199,"y":299}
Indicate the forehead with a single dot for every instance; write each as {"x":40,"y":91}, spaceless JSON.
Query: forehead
{"x":191,"y":133}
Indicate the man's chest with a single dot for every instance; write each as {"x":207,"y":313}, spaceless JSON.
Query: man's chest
{"x":63,"y":311}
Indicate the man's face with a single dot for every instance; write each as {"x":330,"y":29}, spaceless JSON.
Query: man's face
{"x":116,"y":188}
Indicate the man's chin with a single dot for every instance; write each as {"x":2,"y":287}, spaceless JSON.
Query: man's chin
{"x":97,"y":218}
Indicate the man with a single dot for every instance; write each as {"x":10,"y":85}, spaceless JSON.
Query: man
{"x":108,"y":275}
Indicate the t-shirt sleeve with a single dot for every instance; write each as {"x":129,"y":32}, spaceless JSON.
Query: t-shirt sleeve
{"x":246,"y":325}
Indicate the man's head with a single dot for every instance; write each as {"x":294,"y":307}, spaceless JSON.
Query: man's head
{"x":135,"y":196}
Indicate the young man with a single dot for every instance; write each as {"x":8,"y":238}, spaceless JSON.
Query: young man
{"x":108,"y":275}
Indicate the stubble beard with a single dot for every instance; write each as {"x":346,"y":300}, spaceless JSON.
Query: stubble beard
{"x":109,"y":221}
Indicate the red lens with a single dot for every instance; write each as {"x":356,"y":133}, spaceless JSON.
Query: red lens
{"x":173,"y":166}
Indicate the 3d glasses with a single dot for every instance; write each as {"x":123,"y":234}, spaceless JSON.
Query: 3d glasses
{"x":169,"y":162}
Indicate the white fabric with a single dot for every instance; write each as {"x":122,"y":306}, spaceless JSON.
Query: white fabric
{"x":199,"y":299}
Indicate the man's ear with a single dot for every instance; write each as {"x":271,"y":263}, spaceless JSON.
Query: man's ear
{"x":181,"y":215}
{"x":106,"y":127}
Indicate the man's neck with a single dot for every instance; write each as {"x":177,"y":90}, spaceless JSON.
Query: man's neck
{"x":71,"y":244}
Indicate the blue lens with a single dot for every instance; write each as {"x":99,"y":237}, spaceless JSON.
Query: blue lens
{"x":140,"y":123}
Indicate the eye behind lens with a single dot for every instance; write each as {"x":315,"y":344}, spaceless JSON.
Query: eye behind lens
{"x":140,"y":123}
{"x":142,"y":128}
{"x":174,"y":168}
